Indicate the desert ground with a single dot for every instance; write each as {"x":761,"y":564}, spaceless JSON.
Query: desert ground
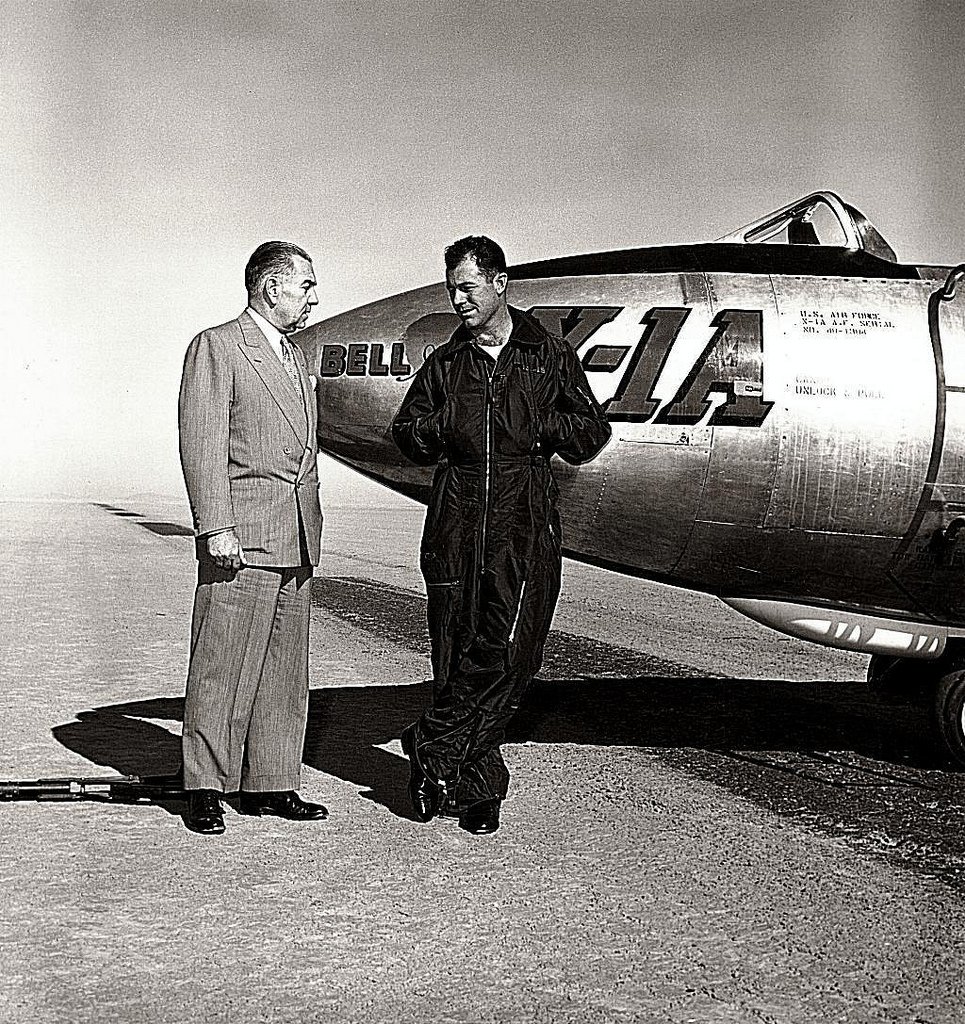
{"x":708,"y":821}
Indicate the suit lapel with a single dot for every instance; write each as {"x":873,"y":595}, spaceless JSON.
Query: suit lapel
{"x":308,"y":400}
{"x":266,"y":364}
{"x":308,"y":396}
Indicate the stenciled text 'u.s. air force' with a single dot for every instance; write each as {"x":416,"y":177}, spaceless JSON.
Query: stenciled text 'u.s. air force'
{"x":627,"y":370}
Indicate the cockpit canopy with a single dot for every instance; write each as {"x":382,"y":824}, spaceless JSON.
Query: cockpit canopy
{"x":821,"y":218}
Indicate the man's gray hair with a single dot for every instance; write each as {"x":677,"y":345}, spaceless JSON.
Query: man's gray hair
{"x":271,"y":258}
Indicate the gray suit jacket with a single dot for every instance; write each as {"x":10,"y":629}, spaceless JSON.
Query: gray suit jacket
{"x":249,"y":446}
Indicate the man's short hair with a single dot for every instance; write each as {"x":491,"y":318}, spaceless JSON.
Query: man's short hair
{"x":271,"y":258}
{"x":488,"y":256}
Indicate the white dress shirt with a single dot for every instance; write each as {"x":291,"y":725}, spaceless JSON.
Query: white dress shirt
{"x":272,"y":335}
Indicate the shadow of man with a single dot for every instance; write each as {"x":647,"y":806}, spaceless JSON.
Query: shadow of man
{"x":349,"y":727}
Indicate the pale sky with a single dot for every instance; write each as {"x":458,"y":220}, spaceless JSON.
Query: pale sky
{"x":147,"y":148}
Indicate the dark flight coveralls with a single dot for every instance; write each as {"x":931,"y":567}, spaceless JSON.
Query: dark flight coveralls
{"x":490,"y":550}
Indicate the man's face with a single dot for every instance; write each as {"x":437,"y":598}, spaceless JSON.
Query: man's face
{"x":293,"y":295}
{"x":474,"y":298}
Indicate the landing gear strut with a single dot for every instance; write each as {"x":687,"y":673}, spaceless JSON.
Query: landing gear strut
{"x":939,"y":683}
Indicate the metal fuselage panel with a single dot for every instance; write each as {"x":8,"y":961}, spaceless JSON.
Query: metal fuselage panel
{"x":929,"y":563}
{"x":850,"y":371}
{"x":772,"y":435}
{"x":854,"y":378}
{"x":637,"y":502}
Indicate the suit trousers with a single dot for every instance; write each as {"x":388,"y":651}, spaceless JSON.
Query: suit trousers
{"x":246,"y":701}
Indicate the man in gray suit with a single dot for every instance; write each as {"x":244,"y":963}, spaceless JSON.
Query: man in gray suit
{"x":247,"y":421}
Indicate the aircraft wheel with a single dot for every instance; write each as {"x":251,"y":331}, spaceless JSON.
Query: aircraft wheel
{"x":950,"y":713}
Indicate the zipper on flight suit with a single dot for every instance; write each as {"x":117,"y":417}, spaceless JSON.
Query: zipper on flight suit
{"x":487,"y":458}
{"x":519,"y":610}
{"x":481,"y":542}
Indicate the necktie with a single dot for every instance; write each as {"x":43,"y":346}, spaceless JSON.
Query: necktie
{"x":288,"y":361}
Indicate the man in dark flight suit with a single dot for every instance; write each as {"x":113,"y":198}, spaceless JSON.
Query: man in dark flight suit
{"x":489,"y":409}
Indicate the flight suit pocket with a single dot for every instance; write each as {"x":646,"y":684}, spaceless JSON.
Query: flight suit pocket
{"x":437,"y":570}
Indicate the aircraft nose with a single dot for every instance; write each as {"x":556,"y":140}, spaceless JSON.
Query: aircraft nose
{"x":364,"y":360}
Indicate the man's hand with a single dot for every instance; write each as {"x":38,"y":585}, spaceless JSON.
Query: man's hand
{"x":225,"y":550}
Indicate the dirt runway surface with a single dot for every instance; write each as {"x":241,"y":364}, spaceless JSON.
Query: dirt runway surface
{"x":708,"y":822}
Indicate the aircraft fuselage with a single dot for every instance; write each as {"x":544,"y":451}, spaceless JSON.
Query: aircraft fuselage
{"x":788,"y":432}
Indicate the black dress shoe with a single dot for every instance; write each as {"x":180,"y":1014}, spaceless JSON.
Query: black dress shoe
{"x":283,"y":805}
{"x":204,"y":812}
{"x":426,"y":796}
{"x":481,"y":818}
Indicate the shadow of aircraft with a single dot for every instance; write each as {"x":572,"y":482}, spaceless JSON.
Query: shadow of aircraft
{"x":349,"y":725}
{"x":824,"y":753}
{"x":622,"y":697}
